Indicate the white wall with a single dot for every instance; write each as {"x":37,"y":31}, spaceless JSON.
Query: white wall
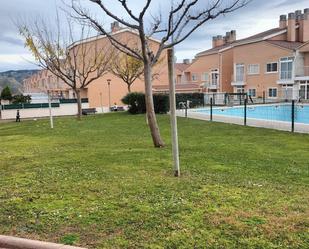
{"x":63,"y":110}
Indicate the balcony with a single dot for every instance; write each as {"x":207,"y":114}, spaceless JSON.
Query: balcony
{"x":211,"y":85}
{"x":239,"y":80}
{"x":286,"y":77}
{"x":302,"y":73}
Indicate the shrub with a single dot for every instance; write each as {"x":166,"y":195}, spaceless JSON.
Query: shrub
{"x":136,"y":102}
{"x":161,"y":103}
{"x":6,"y":94}
{"x":137,"y":105}
{"x":196,"y":99}
{"x":21,"y":99}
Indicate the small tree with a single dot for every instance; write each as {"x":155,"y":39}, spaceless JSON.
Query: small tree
{"x":183,"y":19}
{"x":127,"y":68}
{"x":77,"y":64}
{"x":6,"y":93}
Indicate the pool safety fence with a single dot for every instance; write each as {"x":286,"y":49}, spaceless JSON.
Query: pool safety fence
{"x":289,"y":115}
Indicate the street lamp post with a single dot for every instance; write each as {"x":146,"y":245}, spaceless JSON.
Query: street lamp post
{"x":109,"y":93}
{"x":50,"y":110}
{"x":101,"y":100}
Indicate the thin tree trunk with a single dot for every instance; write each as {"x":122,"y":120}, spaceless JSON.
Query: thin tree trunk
{"x":79,"y":104}
{"x":152,"y":120}
{"x":129,"y":88}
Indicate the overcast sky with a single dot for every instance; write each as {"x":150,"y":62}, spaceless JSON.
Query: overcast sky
{"x":258,"y":16}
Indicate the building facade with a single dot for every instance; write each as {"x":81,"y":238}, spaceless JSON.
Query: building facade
{"x":106,"y":90}
{"x":273,"y":64}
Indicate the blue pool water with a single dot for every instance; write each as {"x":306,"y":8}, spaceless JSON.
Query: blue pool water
{"x":280,"y":112}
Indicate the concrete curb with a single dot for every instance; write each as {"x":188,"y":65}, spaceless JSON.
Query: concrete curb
{"x":9,"y":242}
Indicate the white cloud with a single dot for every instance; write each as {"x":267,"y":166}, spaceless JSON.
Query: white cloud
{"x":258,"y":16}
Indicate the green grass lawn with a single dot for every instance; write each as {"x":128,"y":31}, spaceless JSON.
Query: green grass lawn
{"x":99,"y":183}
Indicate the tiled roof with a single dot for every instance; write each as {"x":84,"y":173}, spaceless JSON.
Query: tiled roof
{"x":181,"y":66}
{"x":260,"y":35}
{"x":178,"y":87}
{"x":248,"y":39}
{"x":286,"y":44}
{"x":213,"y":50}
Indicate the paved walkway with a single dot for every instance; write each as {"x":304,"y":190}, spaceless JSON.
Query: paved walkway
{"x":9,"y":242}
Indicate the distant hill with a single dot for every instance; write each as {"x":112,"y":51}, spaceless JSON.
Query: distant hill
{"x":14,"y":79}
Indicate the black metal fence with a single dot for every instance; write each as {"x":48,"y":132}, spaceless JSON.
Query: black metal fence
{"x":40,"y":105}
{"x":290,"y":114}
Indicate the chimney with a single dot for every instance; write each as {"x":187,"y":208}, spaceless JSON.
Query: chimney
{"x":186,"y":61}
{"x":220,"y":40}
{"x":115,"y":27}
{"x":291,"y":27}
{"x":227,"y":36}
{"x":298,"y":14}
{"x":214,"y":42}
{"x":233,"y":36}
{"x":283,"y":22}
{"x":304,"y":26}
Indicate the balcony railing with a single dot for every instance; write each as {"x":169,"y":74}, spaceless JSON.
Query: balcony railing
{"x":209,"y":85}
{"x":238,"y":80}
{"x":302,"y":72}
{"x":286,"y":75}
{"x":212,"y":85}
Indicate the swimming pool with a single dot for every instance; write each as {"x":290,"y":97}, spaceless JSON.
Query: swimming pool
{"x":280,"y":112}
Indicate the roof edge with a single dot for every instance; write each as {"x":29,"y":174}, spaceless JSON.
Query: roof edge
{"x":240,"y":43}
{"x":98,"y":37}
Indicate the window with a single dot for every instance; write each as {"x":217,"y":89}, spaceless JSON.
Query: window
{"x":214,"y":77}
{"x":240,"y":89}
{"x":252,"y":92}
{"x":205,"y":77}
{"x":272,"y":92}
{"x":240,"y":72}
{"x":286,"y":68}
{"x":272,"y":67}
{"x":304,"y":90}
{"x":253,"y":69}
{"x":194,"y":77}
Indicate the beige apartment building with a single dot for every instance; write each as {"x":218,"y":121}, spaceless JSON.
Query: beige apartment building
{"x":274,"y":63}
{"x":182,"y":85}
{"x":108,"y":89}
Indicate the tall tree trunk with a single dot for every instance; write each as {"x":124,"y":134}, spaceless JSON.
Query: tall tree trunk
{"x":152,"y":120}
{"x":129,"y":88}
{"x":79,"y":104}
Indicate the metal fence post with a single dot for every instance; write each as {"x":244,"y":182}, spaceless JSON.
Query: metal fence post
{"x":245,"y":111}
{"x":186,"y":111}
{"x":211,"y":104}
{"x":293,"y":115}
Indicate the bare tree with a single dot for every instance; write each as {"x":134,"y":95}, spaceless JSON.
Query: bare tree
{"x":77,"y":64}
{"x":185,"y":17}
{"x":127,"y":68}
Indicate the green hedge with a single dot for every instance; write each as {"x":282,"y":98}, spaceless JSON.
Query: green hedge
{"x":137,"y":105}
{"x":72,"y":101}
{"x":136,"y":101}
{"x":28,"y":106}
{"x":196,"y":99}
